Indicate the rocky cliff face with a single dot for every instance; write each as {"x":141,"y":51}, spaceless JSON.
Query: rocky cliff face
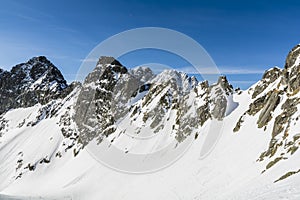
{"x":221,"y":98}
{"x":276,"y":100}
{"x":291,"y":71}
{"x":36,"y":81}
{"x":112,"y":94}
{"x":101,"y":101}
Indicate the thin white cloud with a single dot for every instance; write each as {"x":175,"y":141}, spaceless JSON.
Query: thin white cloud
{"x":223,"y":70}
{"x":193,"y":70}
{"x":241,"y":70}
{"x":89,"y":60}
{"x":27,"y":17}
{"x":242,"y":82}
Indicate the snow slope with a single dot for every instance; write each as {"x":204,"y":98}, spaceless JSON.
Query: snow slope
{"x":229,"y":172}
{"x":41,"y":158}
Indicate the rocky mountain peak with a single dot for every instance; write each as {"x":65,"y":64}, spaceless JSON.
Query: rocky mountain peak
{"x":272,"y":74}
{"x":1,"y":72}
{"x":167,"y":74}
{"x":36,"y":81}
{"x":178,"y":79}
{"x":110,"y":63}
{"x":39,"y":59}
{"x":269,"y":77}
{"x":293,"y":57}
{"x":40,"y":65}
{"x":287,"y":78}
{"x":225,"y":85}
{"x":108,"y":60}
{"x":276,"y":103}
{"x":35,"y":68}
{"x":220,"y":95}
{"x":291,"y":72}
{"x":142,"y":73}
{"x":137,"y":111}
{"x":107,"y":86}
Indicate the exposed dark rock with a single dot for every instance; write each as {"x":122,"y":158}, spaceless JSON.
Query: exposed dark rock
{"x":288,"y":174}
{"x":272,"y":149}
{"x":238,"y":91}
{"x":292,"y":57}
{"x":107,"y":60}
{"x":219,"y":97}
{"x":287,"y":85}
{"x":1,"y":72}
{"x":270,"y":104}
{"x":203,"y":114}
{"x":108,"y":90}
{"x":239,"y":123}
{"x":219,"y":109}
{"x":44,"y":160}
{"x":225,"y":85}
{"x":292,"y":71}
{"x":204,"y":85}
{"x":272,"y":163}
{"x":102,"y":99}
{"x":142,"y":73}
{"x":30,"y":167}
{"x":37,"y":81}
{"x":289,"y":109}
{"x":256,"y":106}
{"x":3,"y":125}
{"x":69,"y":89}
{"x":269,"y":77}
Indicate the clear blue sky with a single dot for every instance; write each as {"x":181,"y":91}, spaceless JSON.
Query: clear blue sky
{"x":244,"y":37}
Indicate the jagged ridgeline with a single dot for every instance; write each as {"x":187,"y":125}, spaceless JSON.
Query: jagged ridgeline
{"x":275,"y":102}
{"x":170,"y":102}
{"x":46,"y":124}
{"x":112,"y":94}
{"x":26,"y":84}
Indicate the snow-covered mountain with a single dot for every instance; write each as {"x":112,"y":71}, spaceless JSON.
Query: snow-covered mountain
{"x":36,"y":81}
{"x":46,"y":127}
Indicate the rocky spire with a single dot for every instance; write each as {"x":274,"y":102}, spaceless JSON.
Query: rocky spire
{"x":291,"y":75}
{"x":292,"y":57}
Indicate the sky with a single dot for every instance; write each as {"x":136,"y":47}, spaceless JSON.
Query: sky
{"x":244,"y":38}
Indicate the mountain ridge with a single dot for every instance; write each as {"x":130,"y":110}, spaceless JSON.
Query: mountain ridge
{"x":259,"y":143}
{"x":36,"y":81}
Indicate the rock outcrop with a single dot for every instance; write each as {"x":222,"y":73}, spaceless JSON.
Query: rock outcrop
{"x":277,"y":92}
{"x":112,"y":94}
{"x":36,"y":81}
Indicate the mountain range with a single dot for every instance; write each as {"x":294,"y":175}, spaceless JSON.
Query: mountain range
{"x":47,"y":125}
